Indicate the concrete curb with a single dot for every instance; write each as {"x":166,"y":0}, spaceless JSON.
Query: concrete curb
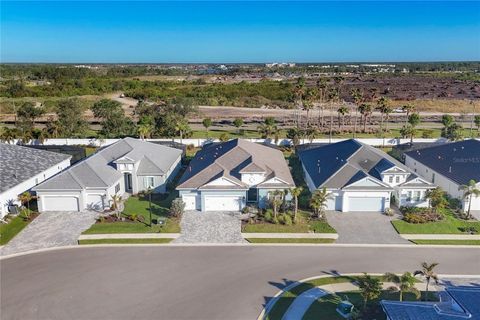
{"x":440,"y":236}
{"x":338,"y":245}
{"x":100,"y":236}
{"x":275,"y":298}
{"x":291,"y":235}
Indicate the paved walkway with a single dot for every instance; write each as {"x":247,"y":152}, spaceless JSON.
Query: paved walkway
{"x":210,"y":227}
{"x":364,"y":227}
{"x":51,"y":229}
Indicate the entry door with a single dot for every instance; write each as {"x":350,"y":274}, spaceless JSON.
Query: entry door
{"x":128,"y":181}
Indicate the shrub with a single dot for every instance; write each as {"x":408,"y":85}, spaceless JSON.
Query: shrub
{"x":133,"y":217}
{"x":388,"y":212}
{"x":275,"y":220}
{"x":268,"y":216}
{"x":414,"y":218}
{"x":470,"y":230}
{"x":281,"y":219}
{"x":177,"y":208}
{"x":287,"y":220}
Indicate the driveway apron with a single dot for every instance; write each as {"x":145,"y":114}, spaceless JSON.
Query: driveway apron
{"x":51,"y":229}
{"x":364,"y":227}
{"x":210,"y":227}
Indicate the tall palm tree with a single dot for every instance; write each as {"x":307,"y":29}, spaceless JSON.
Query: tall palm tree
{"x":318,"y":201}
{"x":382,"y":106}
{"x":403,"y":283}
{"x":181,"y":127}
{"x":408,"y":108}
{"x":295,"y":192}
{"x":428,"y":273}
{"x":333,"y":97}
{"x":145,"y":130}
{"x":342,"y":112}
{"x":307,"y":103}
{"x":311,"y":133}
{"x":322,"y":94}
{"x":276,"y":200}
{"x":470,"y":190}
{"x":366,"y":111}
{"x":357,"y":96}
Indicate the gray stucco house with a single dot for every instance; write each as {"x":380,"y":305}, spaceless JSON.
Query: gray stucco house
{"x":228,"y":176}
{"x":127,"y":166}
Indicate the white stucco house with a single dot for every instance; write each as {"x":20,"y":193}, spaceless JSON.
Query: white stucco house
{"x":449,"y":166}
{"x":127,"y":166}
{"x":360,"y":177}
{"x":228,"y":176}
{"x":22,"y":168}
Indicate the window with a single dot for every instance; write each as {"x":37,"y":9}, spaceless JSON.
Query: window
{"x":252,"y":195}
{"x":417,"y":195}
{"x":148,"y":182}
{"x":117,"y":188}
{"x":433,"y":177}
{"x":397,"y":179}
{"x":390,"y":179}
{"x":409,"y":196}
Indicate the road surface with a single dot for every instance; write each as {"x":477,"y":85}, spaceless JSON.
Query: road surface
{"x":217,"y":282}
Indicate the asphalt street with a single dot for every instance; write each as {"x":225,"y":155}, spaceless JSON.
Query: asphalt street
{"x":195,"y":282}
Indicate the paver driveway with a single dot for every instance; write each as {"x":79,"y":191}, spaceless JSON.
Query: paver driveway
{"x":51,"y":229}
{"x":210,"y":227}
{"x":364,"y":227}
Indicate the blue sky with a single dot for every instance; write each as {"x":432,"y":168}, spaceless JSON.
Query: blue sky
{"x":238,"y":31}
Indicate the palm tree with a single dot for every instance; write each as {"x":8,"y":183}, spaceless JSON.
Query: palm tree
{"x":477,"y":122}
{"x":428,"y":273}
{"x":322,"y":94}
{"x":276,"y":200}
{"x":342,"y":112}
{"x":318,"y":201}
{"x":295,"y":192}
{"x":145,"y":130}
{"x":25,"y":199}
{"x":333,"y":97}
{"x":403,"y":283}
{"x":382,"y":106}
{"x":116,"y":202}
{"x":408,"y":131}
{"x":8,"y":135}
{"x":357,"y":96}
{"x":182,"y":128}
{"x":408,"y":108}
{"x":311,"y":133}
{"x":207,"y":123}
{"x":470,"y":190}
{"x":370,"y":288}
{"x":268,"y":128}
{"x":437,"y":198}
{"x":366,"y":111}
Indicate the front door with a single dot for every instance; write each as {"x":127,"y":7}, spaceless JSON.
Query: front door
{"x":128,"y":182}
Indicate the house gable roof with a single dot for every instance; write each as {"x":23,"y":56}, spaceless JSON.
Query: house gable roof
{"x":232,"y":158}
{"x":458,"y":161}
{"x":97,"y":171}
{"x":338,"y":165}
{"x":18,"y":163}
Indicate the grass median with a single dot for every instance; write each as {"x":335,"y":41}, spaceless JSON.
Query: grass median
{"x":124,"y":241}
{"x":448,"y":242}
{"x":289,"y":240}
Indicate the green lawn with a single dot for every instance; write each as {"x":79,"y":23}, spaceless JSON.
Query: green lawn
{"x":140,"y":206}
{"x":448,"y":225}
{"x":289,"y":240}
{"x":12,"y":228}
{"x":302,"y":226}
{"x":449,"y":242}
{"x":116,"y":241}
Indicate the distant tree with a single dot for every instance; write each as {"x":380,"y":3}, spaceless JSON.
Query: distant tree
{"x":105,"y":108}
{"x":238,"y":123}
{"x":311,"y":132}
{"x":295,"y":135}
{"x":454,"y":132}
{"x":181,"y":127}
{"x":8,"y":135}
{"x":409,"y":130}
{"x":27,"y":114}
{"x":470,"y":190}
{"x":408,"y":108}
{"x":224,"y":137}
{"x":366,"y":111}
{"x":268,"y":128}
{"x":427,"y":272}
{"x":357,"y":97}
{"x":402,"y":284}
{"x":71,"y":120}
{"x":447,"y":120}
{"x":384,"y":108}
{"x":477,"y":122}
{"x":342,"y":112}
{"x":207,"y":123}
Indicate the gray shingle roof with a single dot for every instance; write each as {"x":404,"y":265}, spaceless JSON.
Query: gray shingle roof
{"x":466,"y":297}
{"x":98,"y":171}
{"x":339,"y":164}
{"x":18,"y":164}
{"x":458,"y":161}
{"x":229,"y":159}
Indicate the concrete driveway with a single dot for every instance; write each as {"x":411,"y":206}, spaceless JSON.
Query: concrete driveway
{"x":364,"y":227}
{"x":210,"y":227}
{"x":51,"y":229}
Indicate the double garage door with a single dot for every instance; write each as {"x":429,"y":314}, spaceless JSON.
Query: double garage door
{"x":367,"y":204}
{"x":57,"y":203}
{"x":213,"y":203}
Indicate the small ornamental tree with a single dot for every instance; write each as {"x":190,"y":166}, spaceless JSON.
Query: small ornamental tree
{"x":177,"y":208}
{"x":370,"y":288}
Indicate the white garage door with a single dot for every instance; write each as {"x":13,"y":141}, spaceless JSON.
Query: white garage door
{"x":60,"y":204}
{"x":366,"y":204}
{"x":95,"y":202}
{"x":190,"y":202}
{"x":223,"y":203}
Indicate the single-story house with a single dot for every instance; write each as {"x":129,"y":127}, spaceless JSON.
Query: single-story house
{"x":449,"y":166}
{"x":227,"y":176}
{"x":460,"y":302}
{"x":360,"y":177}
{"x":127,"y":166}
{"x":22,"y":168}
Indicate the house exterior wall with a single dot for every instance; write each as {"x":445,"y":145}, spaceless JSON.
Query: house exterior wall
{"x":263,"y":198}
{"x":447,"y":185}
{"x":252,"y":179}
{"x":12,"y":193}
{"x":402,"y":200}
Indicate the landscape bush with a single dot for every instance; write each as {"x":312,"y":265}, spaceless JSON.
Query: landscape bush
{"x":420,"y":215}
{"x":177,"y":208}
